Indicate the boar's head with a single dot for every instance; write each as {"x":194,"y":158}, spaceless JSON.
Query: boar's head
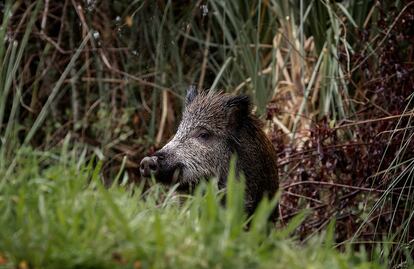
{"x":204,"y":142}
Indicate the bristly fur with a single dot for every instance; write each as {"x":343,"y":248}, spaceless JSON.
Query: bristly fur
{"x":214,"y":127}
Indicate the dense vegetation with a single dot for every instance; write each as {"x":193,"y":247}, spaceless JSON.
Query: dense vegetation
{"x":89,"y":87}
{"x":52,"y":218}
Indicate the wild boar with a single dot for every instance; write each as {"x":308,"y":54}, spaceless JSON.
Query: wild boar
{"x":214,"y":127}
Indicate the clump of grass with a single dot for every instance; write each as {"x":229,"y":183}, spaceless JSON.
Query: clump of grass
{"x":56,"y":213}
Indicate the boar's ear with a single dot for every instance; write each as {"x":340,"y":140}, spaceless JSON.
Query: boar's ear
{"x":239,"y":108}
{"x":191,"y":94}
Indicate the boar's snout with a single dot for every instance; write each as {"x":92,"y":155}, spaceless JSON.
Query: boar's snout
{"x":162,"y":165}
{"x":148,"y":166}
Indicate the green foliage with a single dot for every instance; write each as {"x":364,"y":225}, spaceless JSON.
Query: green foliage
{"x":56,"y":213}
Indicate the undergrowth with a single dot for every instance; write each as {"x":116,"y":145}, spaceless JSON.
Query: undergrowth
{"x":56,"y":213}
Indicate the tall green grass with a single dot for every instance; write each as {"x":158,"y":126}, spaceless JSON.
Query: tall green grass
{"x":266,"y":49}
{"x":56,"y":213}
{"x":11,"y":53}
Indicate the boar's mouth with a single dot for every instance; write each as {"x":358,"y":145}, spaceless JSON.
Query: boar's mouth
{"x":169,"y":175}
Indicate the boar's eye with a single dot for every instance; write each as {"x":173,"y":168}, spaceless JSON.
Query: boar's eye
{"x":203,"y":135}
